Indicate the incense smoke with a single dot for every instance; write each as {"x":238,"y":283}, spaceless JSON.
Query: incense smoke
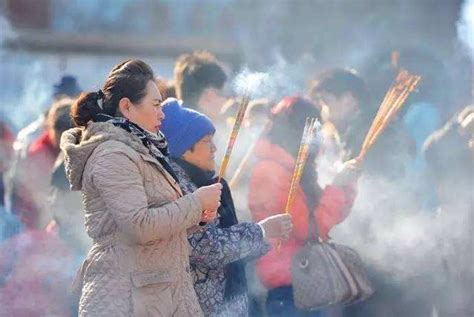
{"x":465,"y":26}
{"x":279,"y":80}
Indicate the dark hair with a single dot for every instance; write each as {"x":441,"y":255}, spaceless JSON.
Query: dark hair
{"x":288,"y":118}
{"x":170,"y":91}
{"x":59,"y":118}
{"x":340,"y":81}
{"x":126,"y":80}
{"x":195,"y":72}
{"x":435,"y":87}
{"x":166,"y":88}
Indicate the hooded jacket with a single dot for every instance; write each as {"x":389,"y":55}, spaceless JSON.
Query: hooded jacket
{"x":137,"y":218}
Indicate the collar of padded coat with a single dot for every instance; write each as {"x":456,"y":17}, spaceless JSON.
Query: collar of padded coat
{"x":78,"y":144}
{"x":265,"y":150}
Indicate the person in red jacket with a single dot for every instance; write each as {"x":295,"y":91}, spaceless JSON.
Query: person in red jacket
{"x":29,"y":180}
{"x":269,"y":186}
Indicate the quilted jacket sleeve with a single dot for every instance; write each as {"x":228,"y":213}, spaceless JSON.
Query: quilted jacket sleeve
{"x":214,"y":247}
{"x":119,"y":183}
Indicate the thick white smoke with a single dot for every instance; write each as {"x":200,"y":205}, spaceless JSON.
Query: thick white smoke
{"x":465,"y":26}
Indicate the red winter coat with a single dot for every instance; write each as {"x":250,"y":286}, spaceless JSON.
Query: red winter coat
{"x":32,"y":183}
{"x":268,"y":193}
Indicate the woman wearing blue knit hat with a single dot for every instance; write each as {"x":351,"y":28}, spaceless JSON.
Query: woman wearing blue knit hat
{"x":221,"y":248}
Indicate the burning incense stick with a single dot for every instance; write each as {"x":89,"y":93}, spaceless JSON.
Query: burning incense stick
{"x":306,"y":140}
{"x":384,"y":107}
{"x":399,"y":91}
{"x":308,"y":134}
{"x":233,"y":135}
{"x":396,"y":106}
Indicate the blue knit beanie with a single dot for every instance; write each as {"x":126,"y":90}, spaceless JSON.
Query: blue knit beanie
{"x":183,"y":127}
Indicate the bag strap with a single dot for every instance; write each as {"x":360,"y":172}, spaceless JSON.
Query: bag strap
{"x":313,"y":229}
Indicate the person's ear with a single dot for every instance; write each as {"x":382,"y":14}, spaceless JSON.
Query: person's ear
{"x":124,"y":107}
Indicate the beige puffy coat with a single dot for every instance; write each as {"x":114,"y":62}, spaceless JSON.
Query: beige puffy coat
{"x":137,"y":218}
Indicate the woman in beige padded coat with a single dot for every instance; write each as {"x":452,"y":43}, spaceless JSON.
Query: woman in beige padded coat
{"x":135,"y":212}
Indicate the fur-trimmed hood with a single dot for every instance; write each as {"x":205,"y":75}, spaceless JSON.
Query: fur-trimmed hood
{"x":78,"y":144}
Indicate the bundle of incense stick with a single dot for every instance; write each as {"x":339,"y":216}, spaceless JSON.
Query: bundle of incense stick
{"x":308,"y":135}
{"x":397,"y":94}
{"x":233,"y":135}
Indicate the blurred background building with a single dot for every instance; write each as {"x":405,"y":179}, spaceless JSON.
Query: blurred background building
{"x":44,"y":39}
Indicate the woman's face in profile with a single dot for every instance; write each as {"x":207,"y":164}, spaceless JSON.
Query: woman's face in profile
{"x":202,"y":154}
{"x":148,"y":113}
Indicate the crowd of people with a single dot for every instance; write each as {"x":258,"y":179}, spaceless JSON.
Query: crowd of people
{"x":111,"y":204}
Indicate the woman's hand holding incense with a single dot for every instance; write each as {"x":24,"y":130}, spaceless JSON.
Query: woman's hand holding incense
{"x":208,"y":216}
{"x":348,"y":174}
{"x":210,"y":198}
{"x":277,"y":227}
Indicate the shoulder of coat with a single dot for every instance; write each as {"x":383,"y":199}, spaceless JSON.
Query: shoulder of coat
{"x":118,"y":147}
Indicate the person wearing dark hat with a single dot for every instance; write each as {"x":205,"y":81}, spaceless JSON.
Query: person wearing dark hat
{"x":35,"y":132}
{"x":28,"y":183}
{"x":220,"y":249}
{"x":67,"y":86}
